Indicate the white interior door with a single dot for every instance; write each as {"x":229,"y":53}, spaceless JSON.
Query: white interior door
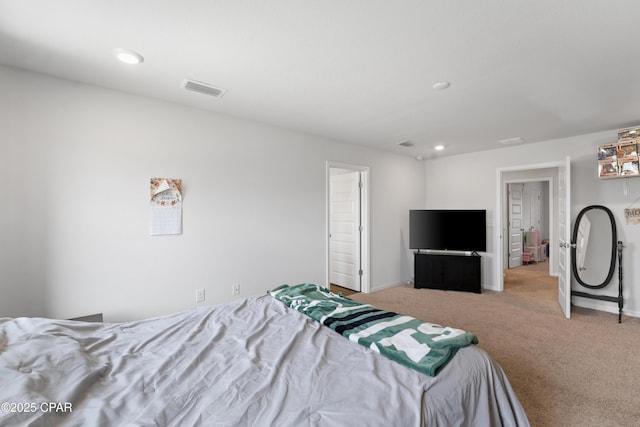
{"x":515,"y":224}
{"x":345,"y":228}
{"x":564,"y":252}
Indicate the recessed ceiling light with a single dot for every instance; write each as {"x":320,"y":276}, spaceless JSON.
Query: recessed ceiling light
{"x":441,"y":85}
{"x":439,"y":147}
{"x":419,"y":158}
{"x":128,"y":56}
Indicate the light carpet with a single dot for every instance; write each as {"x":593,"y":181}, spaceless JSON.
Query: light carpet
{"x":579,"y":372}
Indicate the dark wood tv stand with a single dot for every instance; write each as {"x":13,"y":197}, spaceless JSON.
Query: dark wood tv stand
{"x":447,"y":272}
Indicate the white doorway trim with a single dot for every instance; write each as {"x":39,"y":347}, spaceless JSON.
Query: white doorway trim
{"x":500,"y":209}
{"x":365,"y":235}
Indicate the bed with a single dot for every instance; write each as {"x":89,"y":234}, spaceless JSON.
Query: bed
{"x":252,"y":362}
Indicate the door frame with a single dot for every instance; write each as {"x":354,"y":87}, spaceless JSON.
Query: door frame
{"x":364,"y":213}
{"x":501,"y":203}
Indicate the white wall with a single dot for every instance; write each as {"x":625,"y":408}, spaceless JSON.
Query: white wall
{"x":468,"y":181}
{"x":75,"y":163}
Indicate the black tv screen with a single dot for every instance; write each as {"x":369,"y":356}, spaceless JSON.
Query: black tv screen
{"x":453,"y":230}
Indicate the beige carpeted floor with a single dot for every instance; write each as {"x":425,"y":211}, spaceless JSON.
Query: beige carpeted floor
{"x":579,"y":372}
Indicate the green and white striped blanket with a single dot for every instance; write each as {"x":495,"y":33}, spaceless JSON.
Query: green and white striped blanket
{"x":422,"y":346}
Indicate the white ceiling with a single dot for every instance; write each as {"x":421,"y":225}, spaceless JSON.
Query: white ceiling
{"x":360,"y":71}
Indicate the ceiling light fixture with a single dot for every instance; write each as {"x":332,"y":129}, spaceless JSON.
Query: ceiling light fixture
{"x":441,"y":85}
{"x":439,"y":147}
{"x":128,"y":56}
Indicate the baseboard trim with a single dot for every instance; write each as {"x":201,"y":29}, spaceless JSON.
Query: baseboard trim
{"x":607,"y":307}
{"x":406,"y":284}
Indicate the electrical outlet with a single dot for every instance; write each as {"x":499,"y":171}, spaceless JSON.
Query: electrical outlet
{"x":235,"y":289}
{"x":199,"y":295}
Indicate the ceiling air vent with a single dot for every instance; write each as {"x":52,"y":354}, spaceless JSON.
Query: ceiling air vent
{"x":203,"y":88}
{"x":406,"y":143}
{"x":516,"y":140}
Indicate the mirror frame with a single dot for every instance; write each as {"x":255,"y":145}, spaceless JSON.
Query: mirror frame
{"x":614,"y":245}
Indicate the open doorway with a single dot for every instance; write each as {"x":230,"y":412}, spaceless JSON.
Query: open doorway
{"x":519,"y":186}
{"x":347,"y":228}
{"x":558,"y":175}
{"x":528,"y":222}
{"x":527,"y":267}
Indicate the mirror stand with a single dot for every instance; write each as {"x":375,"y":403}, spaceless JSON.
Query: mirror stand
{"x":617,"y":299}
{"x":591,"y":229}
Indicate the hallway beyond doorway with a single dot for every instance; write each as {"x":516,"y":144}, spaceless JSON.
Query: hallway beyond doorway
{"x":533,"y":281}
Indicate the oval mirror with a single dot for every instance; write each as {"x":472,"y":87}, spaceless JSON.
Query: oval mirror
{"x":593,"y":255}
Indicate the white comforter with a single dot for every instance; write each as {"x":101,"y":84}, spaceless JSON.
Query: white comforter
{"x":252,"y":362}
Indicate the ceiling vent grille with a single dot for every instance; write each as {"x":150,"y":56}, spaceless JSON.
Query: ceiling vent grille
{"x":516,"y":140}
{"x":406,"y":143}
{"x":203,"y":88}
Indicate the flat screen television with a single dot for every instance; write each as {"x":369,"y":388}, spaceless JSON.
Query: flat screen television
{"x":453,"y":230}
